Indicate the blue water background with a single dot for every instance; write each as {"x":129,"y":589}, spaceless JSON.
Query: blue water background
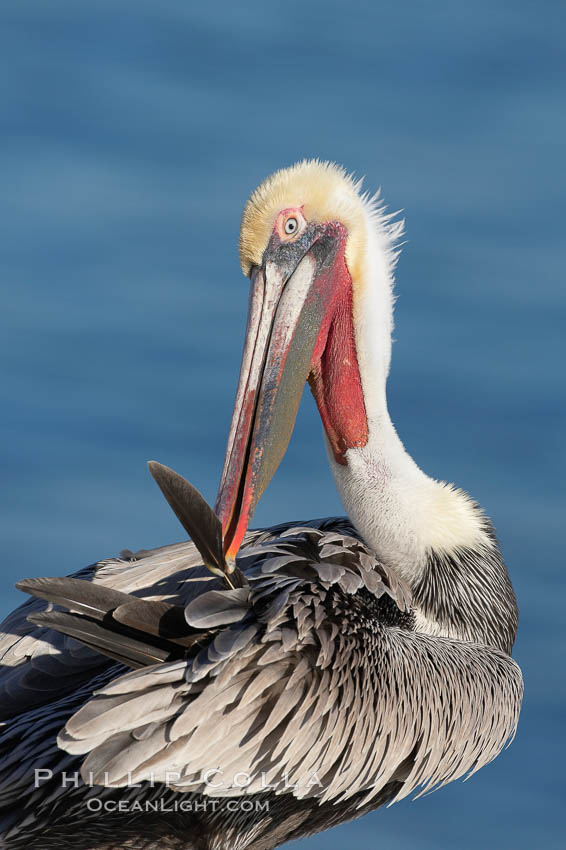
{"x":132,"y":132}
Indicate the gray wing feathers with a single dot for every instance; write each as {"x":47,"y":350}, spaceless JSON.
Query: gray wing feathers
{"x":302,"y":688}
{"x":40,"y":664}
{"x":37,"y":664}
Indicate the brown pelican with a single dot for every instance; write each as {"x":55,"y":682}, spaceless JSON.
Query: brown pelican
{"x":188,"y":698}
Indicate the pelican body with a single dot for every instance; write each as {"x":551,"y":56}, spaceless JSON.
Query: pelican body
{"x":252,"y":687}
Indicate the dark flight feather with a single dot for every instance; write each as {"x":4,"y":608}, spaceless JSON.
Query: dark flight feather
{"x":193,"y":512}
{"x":197,"y":518}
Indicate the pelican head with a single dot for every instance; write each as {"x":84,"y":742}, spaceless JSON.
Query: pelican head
{"x":320,"y":255}
{"x":308,"y":239}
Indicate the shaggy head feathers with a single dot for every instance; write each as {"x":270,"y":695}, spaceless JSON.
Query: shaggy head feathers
{"x":326,"y":193}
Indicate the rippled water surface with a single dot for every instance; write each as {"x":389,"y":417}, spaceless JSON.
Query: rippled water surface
{"x":132,"y":133}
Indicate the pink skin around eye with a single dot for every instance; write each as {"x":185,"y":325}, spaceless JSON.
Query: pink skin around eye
{"x":284,"y":215}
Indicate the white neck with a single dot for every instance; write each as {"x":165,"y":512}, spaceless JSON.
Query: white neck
{"x":400,"y":512}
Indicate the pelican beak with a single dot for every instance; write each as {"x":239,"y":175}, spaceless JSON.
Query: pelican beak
{"x":290,"y":298}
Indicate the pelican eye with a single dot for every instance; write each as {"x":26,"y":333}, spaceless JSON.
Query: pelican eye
{"x":291,"y":226}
